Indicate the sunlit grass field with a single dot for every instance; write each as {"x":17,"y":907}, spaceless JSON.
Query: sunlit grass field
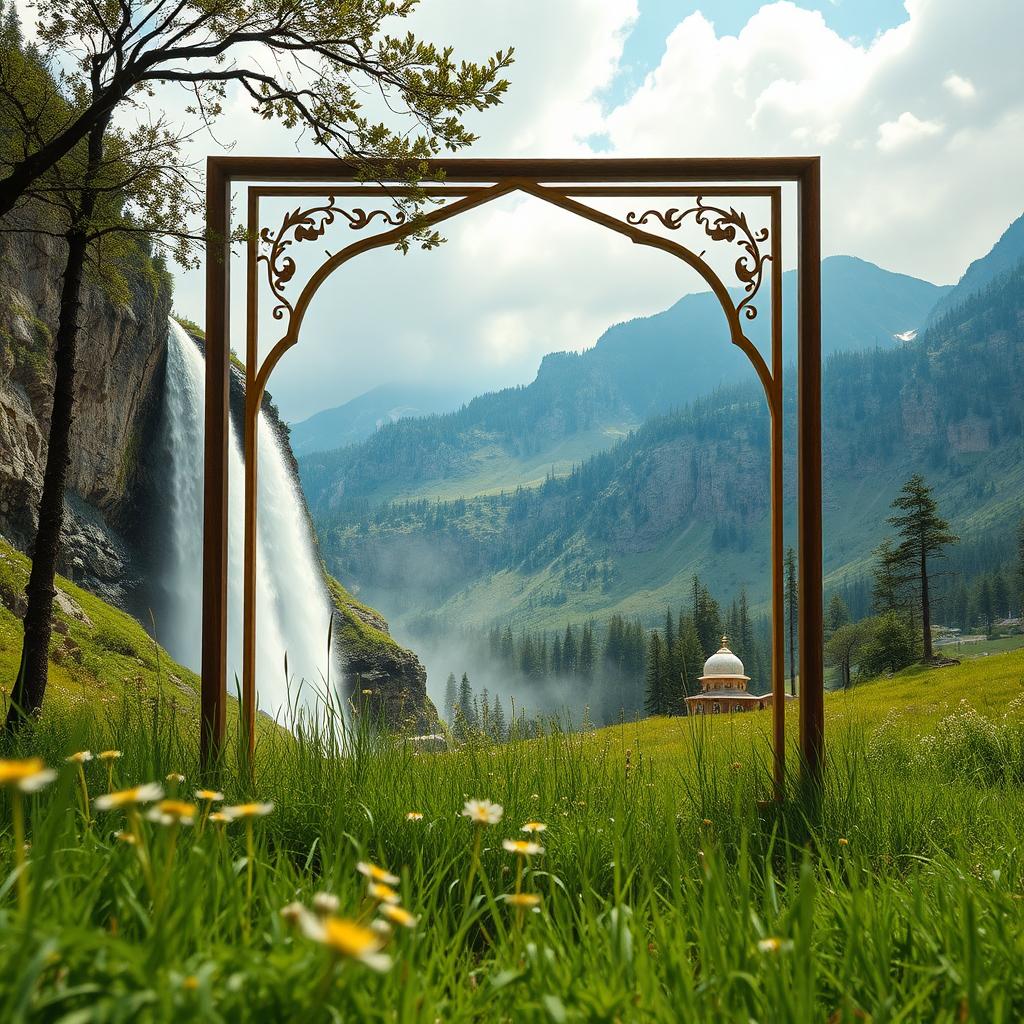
{"x":671,"y":886}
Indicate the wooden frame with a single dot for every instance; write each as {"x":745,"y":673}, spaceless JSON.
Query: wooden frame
{"x":470,"y":183}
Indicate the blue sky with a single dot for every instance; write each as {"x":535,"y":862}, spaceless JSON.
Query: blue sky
{"x":857,"y":20}
{"x":916,"y":111}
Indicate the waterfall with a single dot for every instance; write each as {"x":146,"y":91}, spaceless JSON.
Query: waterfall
{"x":292,"y":606}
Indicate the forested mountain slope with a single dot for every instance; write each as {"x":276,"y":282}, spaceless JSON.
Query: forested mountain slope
{"x":1000,"y":259}
{"x":688,"y":490}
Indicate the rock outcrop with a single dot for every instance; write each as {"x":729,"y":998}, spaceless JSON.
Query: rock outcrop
{"x":383,"y":682}
{"x":106,"y":546}
{"x":119,"y":385}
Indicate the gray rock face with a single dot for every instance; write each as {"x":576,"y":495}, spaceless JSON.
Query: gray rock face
{"x":106,"y":546}
{"x":119,"y":383}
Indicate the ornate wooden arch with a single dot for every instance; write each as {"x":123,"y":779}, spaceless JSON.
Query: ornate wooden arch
{"x":469,"y":184}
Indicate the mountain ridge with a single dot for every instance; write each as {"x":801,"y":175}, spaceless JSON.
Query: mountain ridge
{"x":690,"y":340}
{"x":688,"y":490}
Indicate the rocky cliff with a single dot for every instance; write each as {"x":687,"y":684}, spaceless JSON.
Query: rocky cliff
{"x":119,"y":388}
{"x":111,"y":502}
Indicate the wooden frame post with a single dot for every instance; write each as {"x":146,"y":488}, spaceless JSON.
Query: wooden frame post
{"x":471,"y":183}
{"x":811,"y":612}
{"x":214,"y":664}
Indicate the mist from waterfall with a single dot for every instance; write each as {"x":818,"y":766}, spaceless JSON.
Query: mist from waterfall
{"x":292,"y":607}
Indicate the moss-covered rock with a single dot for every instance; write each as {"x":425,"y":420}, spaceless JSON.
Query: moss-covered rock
{"x":382,"y":680}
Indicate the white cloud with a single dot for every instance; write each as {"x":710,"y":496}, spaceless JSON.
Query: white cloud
{"x":905,"y":130}
{"x":901,"y":151}
{"x":962,"y":88}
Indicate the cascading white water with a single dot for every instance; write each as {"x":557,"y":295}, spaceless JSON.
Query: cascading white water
{"x":292,"y":606}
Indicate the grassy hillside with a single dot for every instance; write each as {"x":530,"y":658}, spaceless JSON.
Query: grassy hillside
{"x":911,"y":705}
{"x":103,"y":659}
{"x":666,"y":883}
{"x":97,"y":652}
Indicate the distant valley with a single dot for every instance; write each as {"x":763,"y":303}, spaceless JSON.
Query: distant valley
{"x":603,"y":485}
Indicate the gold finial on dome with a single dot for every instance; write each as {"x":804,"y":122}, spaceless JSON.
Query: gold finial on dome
{"x":725,"y":645}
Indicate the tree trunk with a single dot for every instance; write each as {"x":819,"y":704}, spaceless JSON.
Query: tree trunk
{"x":792,"y":650}
{"x":30,"y":686}
{"x":27,"y":695}
{"x":926,"y":613}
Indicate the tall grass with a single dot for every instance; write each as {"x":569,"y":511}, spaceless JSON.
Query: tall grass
{"x":673,"y":890}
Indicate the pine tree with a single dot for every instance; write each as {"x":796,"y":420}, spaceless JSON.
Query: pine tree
{"x":708,"y":619}
{"x":508,"y":647}
{"x":984,"y":603}
{"x":586,"y":655}
{"x":570,"y":652}
{"x":613,"y":652}
{"x":670,"y":630}
{"x":691,"y":658}
{"x":746,"y":638}
{"x":791,"y":613}
{"x":1000,"y":595}
{"x":466,"y":705}
{"x":1019,"y":574}
{"x":451,"y":692}
{"x":527,"y":656}
{"x":924,"y":535}
{"x":498,"y":730}
{"x":838,"y":615}
{"x":556,"y":655}
{"x":889,"y":581}
{"x":484,"y":711}
{"x":656,"y":696}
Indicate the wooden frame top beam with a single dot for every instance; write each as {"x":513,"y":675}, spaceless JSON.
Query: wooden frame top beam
{"x":610,"y":169}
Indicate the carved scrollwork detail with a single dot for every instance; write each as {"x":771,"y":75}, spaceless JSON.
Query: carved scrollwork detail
{"x":721,"y":226}
{"x":306,"y":226}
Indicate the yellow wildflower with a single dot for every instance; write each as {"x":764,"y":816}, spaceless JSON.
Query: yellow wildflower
{"x":109,"y":755}
{"x":376,"y":874}
{"x":129,"y":797}
{"x":175,"y":777}
{"x":413,"y":816}
{"x":522,"y":847}
{"x":523,"y":900}
{"x":27,"y":775}
{"x":347,"y":939}
{"x":172,"y":812}
{"x":125,"y":837}
{"x":253,"y":810}
{"x":482,"y":812}
{"x":398,"y":915}
{"x":533,"y":826}
{"x":382,"y":893}
{"x":80,"y":758}
{"x":209,"y":795}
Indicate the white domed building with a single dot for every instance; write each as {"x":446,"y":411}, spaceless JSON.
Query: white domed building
{"x":724,"y":687}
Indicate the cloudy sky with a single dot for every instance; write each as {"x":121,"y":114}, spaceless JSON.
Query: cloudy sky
{"x":916,"y":109}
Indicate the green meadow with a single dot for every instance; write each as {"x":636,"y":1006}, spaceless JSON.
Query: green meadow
{"x":671,"y":885}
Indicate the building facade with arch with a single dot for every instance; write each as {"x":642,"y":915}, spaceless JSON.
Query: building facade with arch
{"x":724,"y":687}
